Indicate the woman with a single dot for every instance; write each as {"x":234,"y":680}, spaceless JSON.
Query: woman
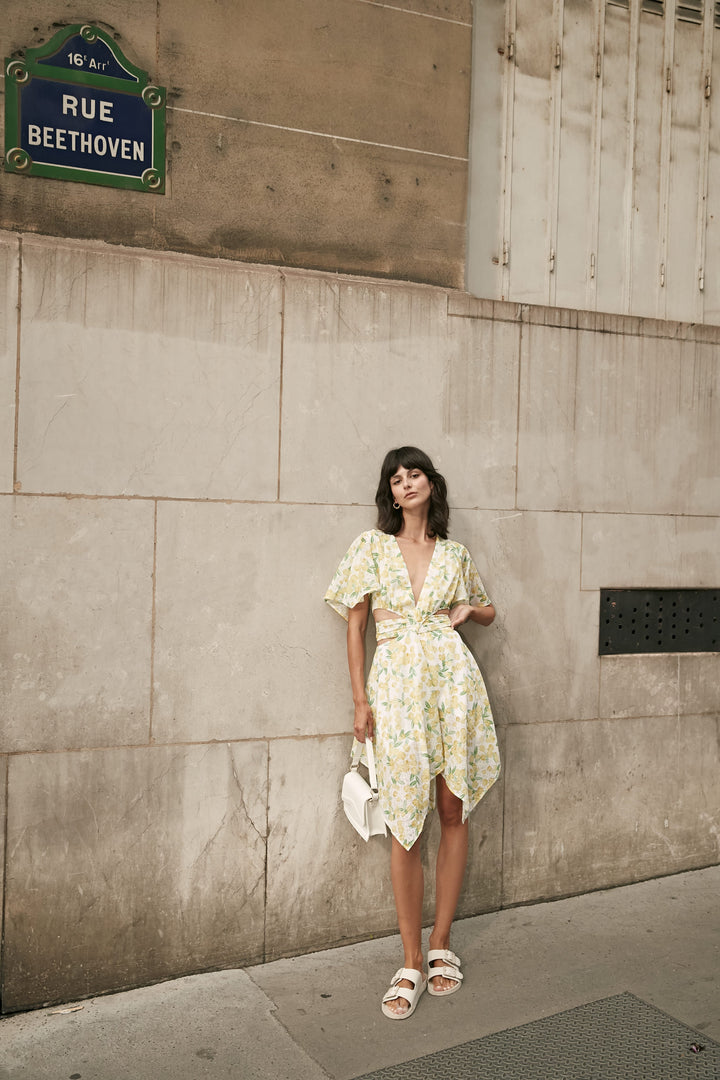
{"x":425,"y":705}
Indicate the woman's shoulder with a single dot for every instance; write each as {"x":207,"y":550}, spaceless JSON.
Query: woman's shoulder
{"x":369,"y":536}
{"x":454,"y":547}
{"x":370,"y":539}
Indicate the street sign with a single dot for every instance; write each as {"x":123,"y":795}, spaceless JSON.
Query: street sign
{"x":76,"y":109}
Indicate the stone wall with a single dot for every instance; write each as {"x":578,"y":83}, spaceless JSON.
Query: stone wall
{"x":187,"y":449}
{"x":330,"y":134}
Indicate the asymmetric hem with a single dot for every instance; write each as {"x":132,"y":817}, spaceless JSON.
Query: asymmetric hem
{"x":428,"y":698}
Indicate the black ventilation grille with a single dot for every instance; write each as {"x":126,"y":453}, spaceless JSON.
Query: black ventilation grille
{"x":659,"y":621}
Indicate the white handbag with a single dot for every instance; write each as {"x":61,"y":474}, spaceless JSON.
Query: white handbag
{"x":360,"y":799}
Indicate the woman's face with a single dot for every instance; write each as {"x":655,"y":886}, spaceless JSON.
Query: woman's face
{"x":410,"y":488}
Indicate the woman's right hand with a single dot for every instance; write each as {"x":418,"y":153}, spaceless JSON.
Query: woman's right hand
{"x":364,"y":721}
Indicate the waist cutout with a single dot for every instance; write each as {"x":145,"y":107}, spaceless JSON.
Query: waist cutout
{"x":389,"y":629}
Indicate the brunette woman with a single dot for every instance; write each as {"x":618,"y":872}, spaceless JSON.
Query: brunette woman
{"x":424,"y":706}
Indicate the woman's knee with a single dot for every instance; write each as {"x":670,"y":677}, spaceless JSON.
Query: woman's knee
{"x":451,"y":817}
{"x":449,"y":806}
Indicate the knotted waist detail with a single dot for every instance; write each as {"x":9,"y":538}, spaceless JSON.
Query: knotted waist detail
{"x":390,"y":629}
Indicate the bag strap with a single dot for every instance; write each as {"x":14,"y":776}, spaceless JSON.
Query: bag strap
{"x":367,"y":746}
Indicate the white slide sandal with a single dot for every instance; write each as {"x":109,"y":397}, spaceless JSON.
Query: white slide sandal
{"x":450,"y":969}
{"x":410,"y":994}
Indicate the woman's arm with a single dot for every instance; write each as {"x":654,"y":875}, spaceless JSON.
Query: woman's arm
{"x":463,"y":613}
{"x":356,"y":627}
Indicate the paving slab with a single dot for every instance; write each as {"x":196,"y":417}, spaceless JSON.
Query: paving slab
{"x":204,"y":1027}
{"x":658,"y":939}
{"x":317,"y":1017}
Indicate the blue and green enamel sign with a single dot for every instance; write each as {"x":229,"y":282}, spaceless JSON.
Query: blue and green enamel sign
{"x":76,"y":109}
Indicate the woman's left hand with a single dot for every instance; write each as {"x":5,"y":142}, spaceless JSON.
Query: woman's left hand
{"x":459,"y":615}
{"x":462,"y":613}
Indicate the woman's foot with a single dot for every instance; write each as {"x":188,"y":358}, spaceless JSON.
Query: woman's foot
{"x":449,"y":976}
{"x":406,"y":986}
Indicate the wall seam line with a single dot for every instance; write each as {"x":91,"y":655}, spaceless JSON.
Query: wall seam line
{"x":16,"y":431}
{"x":157,"y":69}
{"x":517,"y":414}
{"x":556,"y":133}
{"x":317,"y":134}
{"x":267,"y":848}
{"x":153,"y":610}
{"x":596,"y":158}
{"x":418,"y":14}
{"x":630,"y":156}
{"x":506,"y":739}
{"x":280,"y":388}
{"x":174,"y":744}
{"x":501,"y":510}
{"x":3,"y":899}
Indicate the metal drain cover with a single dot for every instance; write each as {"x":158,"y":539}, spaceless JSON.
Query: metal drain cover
{"x":617,"y":1038}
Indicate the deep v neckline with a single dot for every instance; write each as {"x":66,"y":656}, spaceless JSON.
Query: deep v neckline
{"x":407,"y":570}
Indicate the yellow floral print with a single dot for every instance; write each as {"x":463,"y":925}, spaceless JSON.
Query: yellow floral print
{"x":431,"y":708}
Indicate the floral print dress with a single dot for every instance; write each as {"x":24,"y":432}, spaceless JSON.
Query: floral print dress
{"x":426,"y":692}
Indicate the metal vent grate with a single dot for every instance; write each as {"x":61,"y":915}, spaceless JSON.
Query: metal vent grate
{"x":659,"y":621}
{"x":690,"y":11}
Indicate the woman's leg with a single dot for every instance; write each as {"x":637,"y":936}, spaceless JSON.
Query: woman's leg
{"x":407,"y":881}
{"x":449,"y":870}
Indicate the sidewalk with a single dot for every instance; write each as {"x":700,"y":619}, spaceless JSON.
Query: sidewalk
{"x":317,"y":1017}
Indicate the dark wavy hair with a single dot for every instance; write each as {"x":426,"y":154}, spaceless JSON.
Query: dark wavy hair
{"x":389,"y":519}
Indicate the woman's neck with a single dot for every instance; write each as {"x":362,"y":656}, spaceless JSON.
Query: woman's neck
{"x":414,"y":528}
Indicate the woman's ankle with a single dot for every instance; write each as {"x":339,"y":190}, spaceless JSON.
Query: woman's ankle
{"x":439,"y":941}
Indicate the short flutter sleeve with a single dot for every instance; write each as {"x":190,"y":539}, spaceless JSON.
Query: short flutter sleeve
{"x":470,"y":589}
{"x":355,"y":577}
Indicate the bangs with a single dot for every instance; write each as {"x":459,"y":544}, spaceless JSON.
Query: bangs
{"x":409,"y":457}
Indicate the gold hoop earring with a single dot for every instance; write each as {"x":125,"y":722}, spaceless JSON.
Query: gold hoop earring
{"x":396,"y":506}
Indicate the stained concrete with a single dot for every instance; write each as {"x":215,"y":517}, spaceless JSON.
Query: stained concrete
{"x":303,"y":200}
{"x":633,"y":797}
{"x":206,"y":439}
{"x":361,"y":71}
{"x":659,"y":685}
{"x":604,"y":424}
{"x":348,"y":354}
{"x":318,"y":1017}
{"x":124,"y":866}
{"x":639,"y":686}
{"x":77,"y":577}
{"x":625,"y":551}
{"x":225,"y":667}
{"x":328,"y":135}
{"x":161,"y":380}
{"x":530,"y":564}
{"x":313,"y":897}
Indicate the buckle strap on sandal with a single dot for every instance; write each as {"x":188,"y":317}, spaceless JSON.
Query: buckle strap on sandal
{"x":449,"y":968}
{"x":395,"y":991}
{"x":449,"y":957}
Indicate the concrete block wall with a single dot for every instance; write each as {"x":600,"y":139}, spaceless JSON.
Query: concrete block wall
{"x":187,"y":448}
{"x":330,"y":134}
